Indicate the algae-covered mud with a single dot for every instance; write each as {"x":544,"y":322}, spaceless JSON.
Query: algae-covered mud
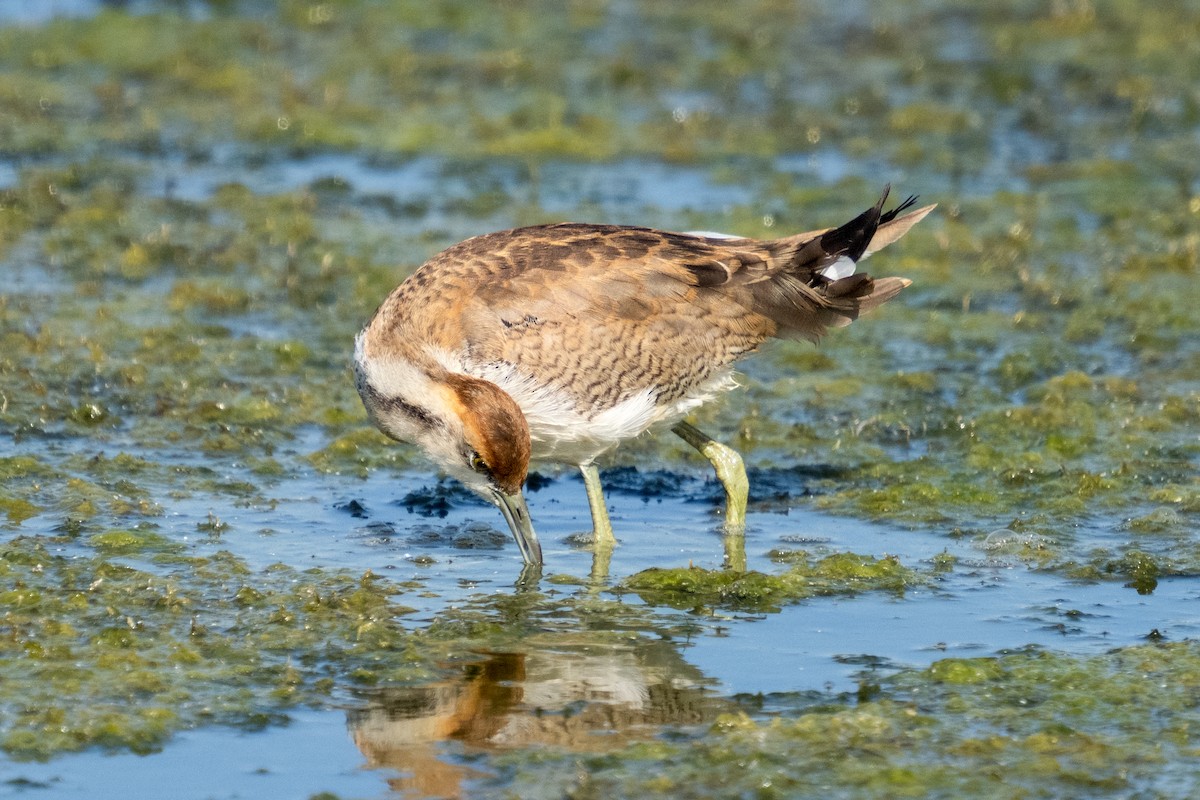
{"x":972,"y":547}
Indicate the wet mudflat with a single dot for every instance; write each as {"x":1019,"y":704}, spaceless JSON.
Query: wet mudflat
{"x":972,"y":543}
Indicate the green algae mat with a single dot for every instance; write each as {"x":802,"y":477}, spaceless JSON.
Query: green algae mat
{"x":974,"y":532}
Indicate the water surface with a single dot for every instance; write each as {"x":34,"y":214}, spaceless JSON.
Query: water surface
{"x":971,"y":541}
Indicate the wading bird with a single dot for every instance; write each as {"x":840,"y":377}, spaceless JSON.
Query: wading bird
{"x":558,"y":342}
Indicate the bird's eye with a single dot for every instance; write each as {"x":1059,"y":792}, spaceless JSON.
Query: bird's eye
{"x":477,"y":462}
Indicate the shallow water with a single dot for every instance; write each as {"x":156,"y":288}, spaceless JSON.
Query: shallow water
{"x":827,"y":645}
{"x":971,"y":542}
{"x":310,"y":753}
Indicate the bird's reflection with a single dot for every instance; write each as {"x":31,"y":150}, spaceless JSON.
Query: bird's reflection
{"x":581,"y":698}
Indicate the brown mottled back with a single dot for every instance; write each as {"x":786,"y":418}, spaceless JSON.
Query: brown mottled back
{"x":605,"y":311}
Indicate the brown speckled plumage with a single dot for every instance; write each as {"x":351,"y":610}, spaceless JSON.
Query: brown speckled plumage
{"x":588,"y":334}
{"x":602,"y":311}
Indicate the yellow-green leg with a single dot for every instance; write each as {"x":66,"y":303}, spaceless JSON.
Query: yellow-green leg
{"x":602,"y":530}
{"x":731,"y":472}
{"x":730,"y":469}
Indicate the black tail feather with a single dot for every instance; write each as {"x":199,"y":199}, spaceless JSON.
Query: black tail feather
{"x":853,"y":238}
{"x":888,"y":216}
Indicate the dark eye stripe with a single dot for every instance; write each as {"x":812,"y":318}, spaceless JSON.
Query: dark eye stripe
{"x":396,"y":403}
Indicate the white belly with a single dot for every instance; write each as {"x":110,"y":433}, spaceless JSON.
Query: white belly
{"x":560,"y":432}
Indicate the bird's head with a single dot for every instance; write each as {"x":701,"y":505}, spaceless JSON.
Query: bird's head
{"x":470,"y":427}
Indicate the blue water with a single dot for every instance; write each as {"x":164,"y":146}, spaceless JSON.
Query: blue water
{"x":984,"y":605}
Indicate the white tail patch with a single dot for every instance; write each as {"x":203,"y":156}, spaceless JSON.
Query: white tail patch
{"x":842,"y":268}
